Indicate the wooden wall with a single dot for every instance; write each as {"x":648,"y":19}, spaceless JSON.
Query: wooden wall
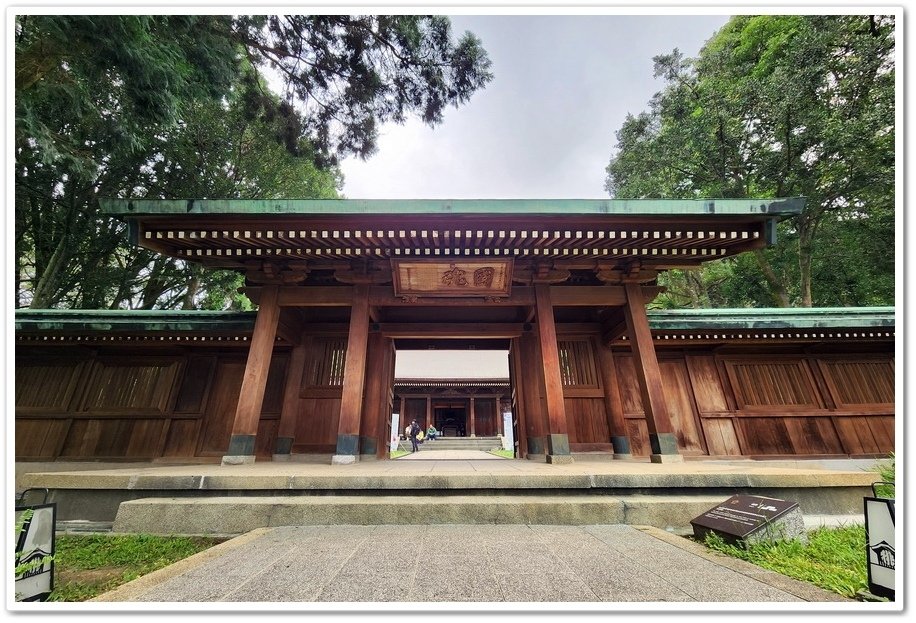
{"x":140,"y":404}
{"x":127,"y":405}
{"x":781,"y":404}
{"x":583,"y":394}
{"x":319,"y":395}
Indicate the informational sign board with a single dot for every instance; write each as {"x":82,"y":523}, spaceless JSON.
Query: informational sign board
{"x":880,"y":546}
{"x":35,"y":551}
{"x":740,"y":516}
{"x":395,"y":430}
{"x":508,"y":437}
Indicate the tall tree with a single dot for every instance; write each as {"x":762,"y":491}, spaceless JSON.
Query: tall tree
{"x":778,"y":106}
{"x":159,"y":106}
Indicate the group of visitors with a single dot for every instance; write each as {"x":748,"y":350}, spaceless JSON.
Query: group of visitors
{"x":417,"y":436}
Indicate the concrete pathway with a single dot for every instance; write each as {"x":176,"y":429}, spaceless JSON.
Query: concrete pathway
{"x":450,"y":455}
{"x":603,"y":564}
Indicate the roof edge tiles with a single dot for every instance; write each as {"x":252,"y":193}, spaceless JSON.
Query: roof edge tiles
{"x":659,"y":320}
{"x":127,"y":208}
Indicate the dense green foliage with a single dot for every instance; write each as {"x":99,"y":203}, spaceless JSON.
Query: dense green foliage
{"x":834,"y":558}
{"x":779,"y":106}
{"x":181,"y":107}
{"x":89,"y":565}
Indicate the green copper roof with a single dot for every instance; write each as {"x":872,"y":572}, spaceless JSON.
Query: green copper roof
{"x":132,"y":320}
{"x":772,"y":318}
{"x":330,"y":207}
{"x":52,"y":320}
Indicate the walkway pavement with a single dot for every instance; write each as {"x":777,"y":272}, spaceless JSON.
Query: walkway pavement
{"x":456,"y":566}
{"x":608,"y":566}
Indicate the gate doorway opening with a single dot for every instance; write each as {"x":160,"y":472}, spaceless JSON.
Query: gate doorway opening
{"x":460,"y":392}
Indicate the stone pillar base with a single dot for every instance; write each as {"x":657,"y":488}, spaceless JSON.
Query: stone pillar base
{"x":282,"y":458}
{"x":622,"y":457}
{"x":344,"y":459}
{"x":237,"y":459}
{"x":666,"y":458}
{"x":559,"y":459}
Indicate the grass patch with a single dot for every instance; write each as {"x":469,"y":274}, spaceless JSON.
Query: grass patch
{"x":886,"y":473}
{"x":506,"y":454}
{"x":833,"y":559}
{"x":86,"y":566}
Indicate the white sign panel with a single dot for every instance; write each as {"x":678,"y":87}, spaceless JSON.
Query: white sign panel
{"x":882,"y":553}
{"x":508,"y":438}
{"x":395,"y":430}
{"x":34,"y":551}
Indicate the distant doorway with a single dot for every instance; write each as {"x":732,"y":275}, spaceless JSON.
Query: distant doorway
{"x":451,"y":420}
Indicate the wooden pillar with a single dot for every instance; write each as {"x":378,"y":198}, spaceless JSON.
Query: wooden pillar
{"x":289,"y":412}
{"x":557,"y":436}
{"x":473,"y":419}
{"x":376,"y":384}
{"x":401,"y":422}
{"x":351,"y":401}
{"x":429,"y":412}
{"x":648,"y":374}
{"x":613,"y":405}
{"x":532,"y":379}
{"x":251,"y":394}
{"x":519,"y":414}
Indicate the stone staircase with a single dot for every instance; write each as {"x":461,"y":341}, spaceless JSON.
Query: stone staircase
{"x":205,"y":499}
{"x":456,"y":443}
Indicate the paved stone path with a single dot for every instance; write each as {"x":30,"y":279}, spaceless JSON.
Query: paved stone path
{"x":463,"y":563}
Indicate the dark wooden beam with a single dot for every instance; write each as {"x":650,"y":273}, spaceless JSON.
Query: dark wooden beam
{"x":480,"y":330}
{"x":614,"y":333}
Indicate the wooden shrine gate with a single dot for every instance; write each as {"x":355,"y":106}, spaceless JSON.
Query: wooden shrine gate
{"x":562,"y":285}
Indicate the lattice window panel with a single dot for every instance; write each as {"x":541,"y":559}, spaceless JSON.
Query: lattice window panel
{"x":862,"y":382}
{"x":577,"y":363}
{"x":44,"y":386}
{"x":119,"y":387}
{"x":772,"y":384}
{"x":328,"y":363}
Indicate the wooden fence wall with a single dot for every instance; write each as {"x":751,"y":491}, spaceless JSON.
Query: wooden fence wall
{"x":142,"y":404}
{"x":127,"y":405}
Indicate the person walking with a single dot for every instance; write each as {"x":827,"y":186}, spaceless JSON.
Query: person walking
{"x":414,"y":431}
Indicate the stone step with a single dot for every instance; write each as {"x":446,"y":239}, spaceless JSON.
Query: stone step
{"x":240,"y":514}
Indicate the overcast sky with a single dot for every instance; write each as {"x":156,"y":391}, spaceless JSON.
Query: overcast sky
{"x":545,"y":127}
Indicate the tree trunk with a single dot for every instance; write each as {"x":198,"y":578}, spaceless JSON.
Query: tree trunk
{"x":189,"y":295}
{"x":777,"y":289}
{"x":44,"y":294}
{"x":805,"y":249}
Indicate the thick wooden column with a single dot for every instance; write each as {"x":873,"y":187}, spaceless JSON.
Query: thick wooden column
{"x":351,"y":401}
{"x":532,"y":380}
{"x":648,"y":374}
{"x":429,"y":412}
{"x":613,"y":405}
{"x":557,"y":436}
{"x":519,"y":412}
{"x":289,"y":412}
{"x":376,"y":385}
{"x":473,"y":418}
{"x":251,"y":394}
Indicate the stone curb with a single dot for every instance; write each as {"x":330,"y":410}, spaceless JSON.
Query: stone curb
{"x":134,"y":588}
{"x":802,"y":590}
